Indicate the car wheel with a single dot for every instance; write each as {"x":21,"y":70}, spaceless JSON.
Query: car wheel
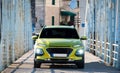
{"x":80,"y":64}
{"x":37,"y":64}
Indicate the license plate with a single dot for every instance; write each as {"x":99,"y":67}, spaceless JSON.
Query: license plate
{"x":59,"y":55}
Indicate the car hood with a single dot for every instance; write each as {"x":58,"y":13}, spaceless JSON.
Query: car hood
{"x":59,"y":42}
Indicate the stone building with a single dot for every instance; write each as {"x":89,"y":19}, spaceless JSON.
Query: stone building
{"x":57,"y":11}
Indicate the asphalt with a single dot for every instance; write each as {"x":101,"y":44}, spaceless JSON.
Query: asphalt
{"x":93,"y":64}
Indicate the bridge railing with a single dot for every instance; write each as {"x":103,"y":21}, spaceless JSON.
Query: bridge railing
{"x":106,"y":51}
{"x":115,"y":55}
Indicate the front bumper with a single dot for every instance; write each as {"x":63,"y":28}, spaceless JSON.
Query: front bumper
{"x":58,"y":61}
{"x":59,"y":55}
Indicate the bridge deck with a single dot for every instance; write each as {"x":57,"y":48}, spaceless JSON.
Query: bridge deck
{"x":93,"y":64}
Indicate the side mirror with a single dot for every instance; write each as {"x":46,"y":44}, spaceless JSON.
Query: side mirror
{"x":83,"y":38}
{"x":34,"y":37}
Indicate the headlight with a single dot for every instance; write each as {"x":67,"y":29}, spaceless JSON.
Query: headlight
{"x":79,"y":52}
{"x":39,"y":51}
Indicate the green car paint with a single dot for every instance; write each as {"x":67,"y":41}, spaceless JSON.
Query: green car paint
{"x":66,"y":47}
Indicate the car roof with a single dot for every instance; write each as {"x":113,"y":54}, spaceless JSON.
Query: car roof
{"x":72,"y":27}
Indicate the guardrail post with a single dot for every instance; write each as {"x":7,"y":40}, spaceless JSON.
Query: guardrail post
{"x":118,"y":57}
{"x":117,"y":30}
{"x":115,"y":55}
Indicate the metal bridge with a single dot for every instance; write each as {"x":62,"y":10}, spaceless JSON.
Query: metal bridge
{"x":102,"y":27}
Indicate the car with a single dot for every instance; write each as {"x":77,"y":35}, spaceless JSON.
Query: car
{"x":58,"y":44}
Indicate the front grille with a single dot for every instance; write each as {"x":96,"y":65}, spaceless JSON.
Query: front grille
{"x":52,"y":51}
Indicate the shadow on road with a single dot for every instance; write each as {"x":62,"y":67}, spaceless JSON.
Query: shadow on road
{"x":89,"y":67}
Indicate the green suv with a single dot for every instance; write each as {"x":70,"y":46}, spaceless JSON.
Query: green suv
{"x":58,"y":44}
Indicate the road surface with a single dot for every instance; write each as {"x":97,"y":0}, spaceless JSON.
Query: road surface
{"x":92,"y":65}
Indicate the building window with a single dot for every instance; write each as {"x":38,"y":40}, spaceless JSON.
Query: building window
{"x":53,"y":20}
{"x":53,"y":2}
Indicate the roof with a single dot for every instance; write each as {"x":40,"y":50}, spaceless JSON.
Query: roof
{"x":67,"y":13}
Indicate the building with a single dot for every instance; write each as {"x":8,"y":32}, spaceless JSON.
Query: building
{"x":39,"y":14}
{"x":69,"y":14}
{"x":52,"y":12}
{"x":57,"y":11}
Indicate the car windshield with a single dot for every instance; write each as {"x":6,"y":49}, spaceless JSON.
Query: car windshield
{"x":59,"y":33}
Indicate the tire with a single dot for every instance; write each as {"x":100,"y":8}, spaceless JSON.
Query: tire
{"x":80,"y":64}
{"x":37,"y":64}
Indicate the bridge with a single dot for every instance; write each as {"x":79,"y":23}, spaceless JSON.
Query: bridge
{"x":25,"y":64}
{"x":101,"y":26}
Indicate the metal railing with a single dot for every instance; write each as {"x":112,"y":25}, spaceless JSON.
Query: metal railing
{"x":106,"y":51}
{"x":115,"y":55}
